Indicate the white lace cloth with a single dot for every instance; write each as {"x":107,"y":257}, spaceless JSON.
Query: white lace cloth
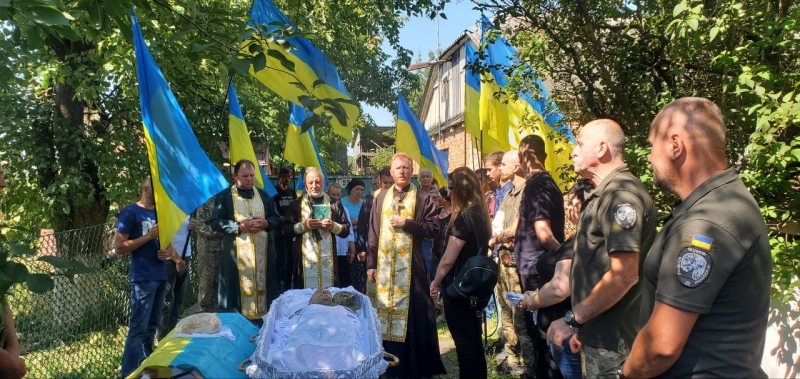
{"x":317,"y":341}
{"x":318,"y":337}
{"x":223,"y":331}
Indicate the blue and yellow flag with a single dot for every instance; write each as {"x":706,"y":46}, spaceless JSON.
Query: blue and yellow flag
{"x":301,"y":148}
{"x":504,"y":121}
{"x":311,"y":68}
{"x":240,"y":145}
{"x":183,"y":176}
{"x":413,"y":139}
{"x":500,"y":124}
{"x":214,"y":357}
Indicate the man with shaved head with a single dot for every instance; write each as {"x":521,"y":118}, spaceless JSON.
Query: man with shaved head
{"x":517,"y":356}
{"x":313,"y":221}
{"x":705,"y":299}
{"x":615,"y":231}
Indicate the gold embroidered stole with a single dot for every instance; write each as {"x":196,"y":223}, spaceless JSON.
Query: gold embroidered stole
{"x":251,"y":257}
{"x":393,"y":287}
{"x":317,"y":255}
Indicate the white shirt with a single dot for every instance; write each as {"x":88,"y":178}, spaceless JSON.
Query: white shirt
{"x":182,"y":236}
{"x":343,"y":244}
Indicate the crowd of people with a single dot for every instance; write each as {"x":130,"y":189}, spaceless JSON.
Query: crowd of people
{"x":615,"y":299}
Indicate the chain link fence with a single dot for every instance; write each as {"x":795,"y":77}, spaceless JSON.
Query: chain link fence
{"x":78,"y":329}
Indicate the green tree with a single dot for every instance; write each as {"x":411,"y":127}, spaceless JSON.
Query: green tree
{"x":625,"y":60}
{"x":69,"y":100}
{"x":382,"y":157}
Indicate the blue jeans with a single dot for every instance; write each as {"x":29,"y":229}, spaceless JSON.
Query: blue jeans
{"x":568,"y":362}
{"x":147,"y":301}
{"x":174,"y":295}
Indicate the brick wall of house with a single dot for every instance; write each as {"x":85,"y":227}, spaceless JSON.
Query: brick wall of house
{"x":459,"y":147}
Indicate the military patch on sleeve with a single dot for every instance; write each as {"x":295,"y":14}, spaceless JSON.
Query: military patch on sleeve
{"x":694,"y":266}
{"x":625,"y":215}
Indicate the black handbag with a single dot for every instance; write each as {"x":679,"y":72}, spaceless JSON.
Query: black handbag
{"x":475,"y":281}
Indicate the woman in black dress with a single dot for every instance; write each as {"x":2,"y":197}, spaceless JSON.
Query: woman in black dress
{"x":467,"y":235}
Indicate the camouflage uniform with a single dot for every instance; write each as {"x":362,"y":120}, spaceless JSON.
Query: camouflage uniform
{"x":209,"y":244}
{"x":601,"y":363}
{"x":519,"y":346}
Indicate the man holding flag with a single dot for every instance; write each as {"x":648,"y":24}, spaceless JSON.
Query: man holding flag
{"x":182,"y":178}
{"x":245,"y":215}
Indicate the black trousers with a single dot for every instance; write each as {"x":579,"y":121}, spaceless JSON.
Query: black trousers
{"x":173,"y":297}
{"x":546,"y":366}
{"x":465,"y":327}
{"x":283,"y":261}
{"x":344,"y":272}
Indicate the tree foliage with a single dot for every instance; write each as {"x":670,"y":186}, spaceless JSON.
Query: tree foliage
{"x":625,"y":60}
{"x":69,"y":98}
{"x":382,"y":158}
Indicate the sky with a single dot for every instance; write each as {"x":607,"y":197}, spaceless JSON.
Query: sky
{"x":419,"y":36}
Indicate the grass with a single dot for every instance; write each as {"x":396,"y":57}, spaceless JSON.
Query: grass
{"x":450,"y":359}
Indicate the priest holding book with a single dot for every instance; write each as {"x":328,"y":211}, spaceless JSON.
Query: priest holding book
{"x":313,"y":220}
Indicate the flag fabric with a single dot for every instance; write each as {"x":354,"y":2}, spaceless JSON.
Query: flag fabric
{"x":486,"y":118}
{"x":183,"y":176}
{"x":240,"y":145}
{"x":215,"y":357}
{"x":502,"y":123}
{"x":413,"y":139}
{"x":301,"y":148}
{"x":310,"y":67}
{"x":472,"y":95}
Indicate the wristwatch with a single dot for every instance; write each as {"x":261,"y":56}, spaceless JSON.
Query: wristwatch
{"x":620,"y":374}
{"x":569,"y":318}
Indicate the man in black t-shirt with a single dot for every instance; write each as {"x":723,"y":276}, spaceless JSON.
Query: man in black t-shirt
{"x":540,"y":228}
{"x":283,"y":243}
{"x":706,"y":282}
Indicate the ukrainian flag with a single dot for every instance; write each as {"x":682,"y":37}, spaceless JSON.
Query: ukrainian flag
{"x":301,"y":148}
{"x":472,"y":96}
{"x":499,"y":119}
{"x":240,"y":145}
{"x":486,"y":118}
{"x":413,"y":140}
{"x":183,"y":176}
{"x":311,"y":68}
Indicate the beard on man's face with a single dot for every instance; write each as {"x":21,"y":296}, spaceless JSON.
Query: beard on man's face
{"x":663,"y":181}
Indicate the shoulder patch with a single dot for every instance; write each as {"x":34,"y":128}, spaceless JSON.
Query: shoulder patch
{"x":694,"y":266}
{"x":625,"y":215}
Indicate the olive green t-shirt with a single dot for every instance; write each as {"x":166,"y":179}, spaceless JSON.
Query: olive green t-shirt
{"x":713,"y":258}
{"x":618,"y":217}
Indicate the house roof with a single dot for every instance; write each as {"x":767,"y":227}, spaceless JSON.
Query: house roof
{"x":433,"y":74}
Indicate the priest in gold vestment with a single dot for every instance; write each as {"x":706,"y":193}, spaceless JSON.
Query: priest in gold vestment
{"x":313,"y":221}
{"x":402,"y":217}
{"x":246,"y":215}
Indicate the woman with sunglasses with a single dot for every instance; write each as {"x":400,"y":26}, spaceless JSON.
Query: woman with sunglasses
{"x":467,"y":235}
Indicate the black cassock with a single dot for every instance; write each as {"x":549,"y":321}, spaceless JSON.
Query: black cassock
{"x":419,"y":354}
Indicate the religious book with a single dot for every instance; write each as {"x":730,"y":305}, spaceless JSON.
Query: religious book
{"x":322,"y":212}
